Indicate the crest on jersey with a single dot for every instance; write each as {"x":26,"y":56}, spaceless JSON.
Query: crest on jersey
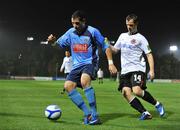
{"x":133,"y":41}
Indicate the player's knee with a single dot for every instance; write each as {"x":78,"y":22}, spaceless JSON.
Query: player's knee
{"x":66,"y":87}
{"x":69,"y":86}
{"x":85,"y":80}
{"x":137,"y":91}
{"x":84,"y":84}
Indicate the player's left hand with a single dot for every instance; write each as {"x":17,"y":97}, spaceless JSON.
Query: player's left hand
{"x":112,"y":69}
{"x":51,"y":39}
{"x":61,"y":70}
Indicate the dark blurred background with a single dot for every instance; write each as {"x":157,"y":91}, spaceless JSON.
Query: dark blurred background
{"x":20,"y":20}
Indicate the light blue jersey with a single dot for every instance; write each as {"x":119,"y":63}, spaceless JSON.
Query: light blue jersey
{"x":84,"y":47}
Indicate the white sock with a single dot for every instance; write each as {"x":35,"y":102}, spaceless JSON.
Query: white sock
{"x":147,"y":112}
{"x":157,"y":103}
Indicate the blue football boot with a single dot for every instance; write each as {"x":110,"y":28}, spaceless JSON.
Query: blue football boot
{"x":145,"y":116}
{"x":160,"y":110}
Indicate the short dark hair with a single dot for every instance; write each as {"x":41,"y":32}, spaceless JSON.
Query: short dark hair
{"x":79,"y":14}
{"x":132,"y":16}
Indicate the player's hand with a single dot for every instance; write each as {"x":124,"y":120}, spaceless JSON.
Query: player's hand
{"x":51,"y":39}
{"x":112,"y":69}
{"x":151,"y":74}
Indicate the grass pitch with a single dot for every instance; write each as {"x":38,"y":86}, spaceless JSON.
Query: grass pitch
{"x":22,"y":105}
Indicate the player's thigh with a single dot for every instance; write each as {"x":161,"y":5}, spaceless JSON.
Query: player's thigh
{"x":124,"y":81}
{"x":88,"y":74}
{"x":74,"y":75}
{"x":138,"y":80}
{"x":85,"y":80}
{"x":126,"y":91}
{"x":137,"y":90}
{"x":91,"y":70}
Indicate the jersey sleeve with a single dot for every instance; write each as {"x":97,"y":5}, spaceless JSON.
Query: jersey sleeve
{"x":144,"y":45}
{"x":100,"y":40}
{"x":118,"y":43}
{"x":64,"y":40}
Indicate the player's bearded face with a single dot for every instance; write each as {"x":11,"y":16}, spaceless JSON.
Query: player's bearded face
{"x":77,"y":24}
{"x":131,"y":26}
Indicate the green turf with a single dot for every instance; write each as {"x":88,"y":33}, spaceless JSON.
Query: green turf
{"x":22,"y":105}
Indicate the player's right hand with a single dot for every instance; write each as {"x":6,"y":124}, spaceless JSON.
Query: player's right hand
{"x":112,"y":69}
{"x":51,"y":39}
{"x":151,"y":74}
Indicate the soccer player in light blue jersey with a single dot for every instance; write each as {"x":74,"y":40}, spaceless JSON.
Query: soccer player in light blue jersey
{"x":84,"y":41}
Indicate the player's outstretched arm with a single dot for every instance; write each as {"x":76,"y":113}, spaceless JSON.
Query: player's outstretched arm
{"x":113,"y":49}
{"x":112,"y":67}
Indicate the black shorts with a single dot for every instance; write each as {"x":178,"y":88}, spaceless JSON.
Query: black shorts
{"x":131,"y":79}
{"x":75,"y":74}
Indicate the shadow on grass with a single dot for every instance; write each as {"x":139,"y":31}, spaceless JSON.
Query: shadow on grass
{"x":18,"y":115}
{"x":67,"y":122}
{"x":112,"y":116}
{"x":167,"y":114}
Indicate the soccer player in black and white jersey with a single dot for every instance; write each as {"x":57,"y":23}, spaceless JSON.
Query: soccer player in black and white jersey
{"x":132,"y":45}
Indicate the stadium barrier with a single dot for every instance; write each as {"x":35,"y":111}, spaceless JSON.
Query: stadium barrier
{"x":21,"y":78}
{"x":162,"y":80}
{"x":35,"y":78}
{"x":176,"y":81}
{"x":43,"y":78}
{"x":166,"y":81}
{"x":62,"y":78}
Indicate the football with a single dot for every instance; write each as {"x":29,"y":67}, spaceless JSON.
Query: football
{"x":53,"y":112}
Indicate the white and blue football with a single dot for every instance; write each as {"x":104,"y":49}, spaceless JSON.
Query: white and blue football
{"x":53,"y":112}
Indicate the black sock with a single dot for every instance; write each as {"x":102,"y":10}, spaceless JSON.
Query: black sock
{"x":149,"y":98}
{"x":136,"y":104}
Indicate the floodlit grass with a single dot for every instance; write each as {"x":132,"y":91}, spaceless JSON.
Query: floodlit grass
{"x":22,"y":105}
